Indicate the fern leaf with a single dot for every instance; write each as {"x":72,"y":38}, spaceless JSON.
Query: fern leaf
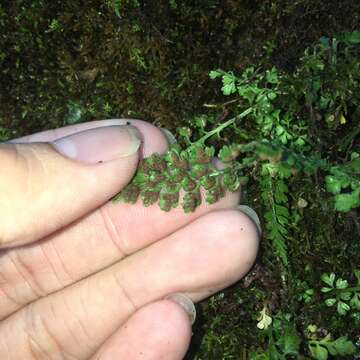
{"x":274,"y":194}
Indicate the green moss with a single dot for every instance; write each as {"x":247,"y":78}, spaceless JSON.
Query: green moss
{"x":151,"y":62}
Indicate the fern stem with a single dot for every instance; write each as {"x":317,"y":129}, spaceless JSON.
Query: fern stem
{"x":223,"y":126}
{"x":350,"y":289}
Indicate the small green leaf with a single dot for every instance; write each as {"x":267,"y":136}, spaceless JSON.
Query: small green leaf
{"x":357,"y":275}
{"x":176,"y":175}
{"x":326,"y":289}
{"x":300,"y":141}
{"x":198,"y":170}
{"x":272,"y":76}
{"x":341,"y":284}
{"x":272,"y":95}
{"x":208,"y":182}
{"x":345,"y":202}
{"x":330,"y":302}
{"x":333,"y":185}
{"x":184,"y":131}
{"x":328,"y":279}
{"x":355,"y":301}
{"x":214,"y":194}
{"x":215,"y":74}
{"x":341,"y":347}
{"x":289,"y":343}
{"x":188,"y":184}
{"x":311,"y":328}
{"x":149,"y":197}
{"x":199,"y":154}
{"x":318,"y":352}
{"x":353,"y":38}
{"x":229,"y":178}
{"x":128,"y":194}
{"x":342,"y":308}
{"x":228,"y":89}
{"x":324,"y":103}
{"x":75,"y":113}
{"x":191,"y":201}
{"x":168,"y":200}
{"x":345,"y":296}
{"x":165,"y":205}
{"x":229,"y":86}
{"x":200,"y":121}
{"x":229,"y":152}
{"x":307,"y":296}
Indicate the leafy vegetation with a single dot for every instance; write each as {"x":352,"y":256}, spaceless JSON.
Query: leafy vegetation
{"x":321,"y":349}
{"x":346,"y":297}
{"x":275,"y":110}
{"x":285,"y":125}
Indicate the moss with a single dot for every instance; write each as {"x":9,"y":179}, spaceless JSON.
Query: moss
{"x":151,"y":62}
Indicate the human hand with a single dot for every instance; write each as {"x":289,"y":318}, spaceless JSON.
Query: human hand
{"x":82,"y":278}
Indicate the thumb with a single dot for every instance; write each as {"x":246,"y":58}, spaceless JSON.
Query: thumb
{"x":45,"y":186}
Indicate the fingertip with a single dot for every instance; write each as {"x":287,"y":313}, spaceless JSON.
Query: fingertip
{"x":160,"y":330}
{"x":174,"y":320}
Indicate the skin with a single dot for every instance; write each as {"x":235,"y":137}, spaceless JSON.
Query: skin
{"x":82,"y":278}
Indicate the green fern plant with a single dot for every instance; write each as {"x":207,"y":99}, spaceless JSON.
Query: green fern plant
{"x":282,"y":338}
{"x":320,"y":349}
{"x":343,"y":177}
{"x":339,"y":293}
{"x":192,"y":167}
{"x":274,"y":195}
{"x":160,"y":178}
{"x":274,"y":147}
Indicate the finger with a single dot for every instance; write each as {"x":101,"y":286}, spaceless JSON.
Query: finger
{"x":47,"y":186}
{"x":160,"y":330}
{"x":209,"y":254}
{"x":96,"y":241}
{"x":92,"y":243}
{"x":151,"y":134}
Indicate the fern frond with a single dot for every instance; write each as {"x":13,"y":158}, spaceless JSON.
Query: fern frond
{"x":274,"y":194}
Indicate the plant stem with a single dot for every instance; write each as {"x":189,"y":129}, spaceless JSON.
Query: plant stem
{"x":351,"y":289}
{"x":223,"y":126}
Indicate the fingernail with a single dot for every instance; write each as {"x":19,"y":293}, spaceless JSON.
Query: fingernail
{"x":251,"y":214}
{"x":100,"y":144}
{"x":186,"y":303}
{"x":169,"y":136}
